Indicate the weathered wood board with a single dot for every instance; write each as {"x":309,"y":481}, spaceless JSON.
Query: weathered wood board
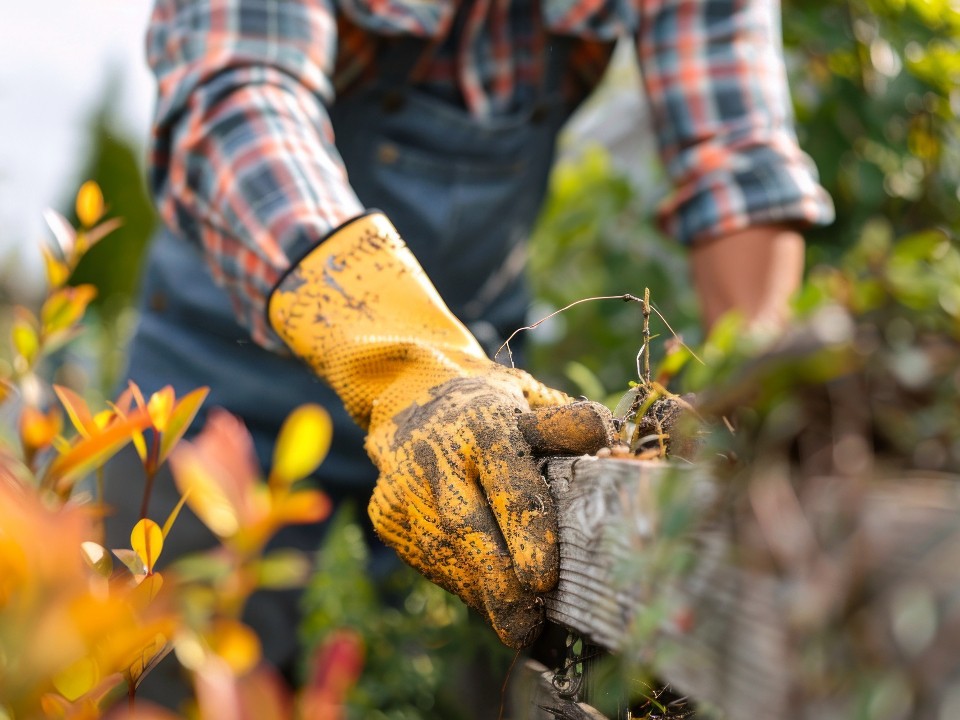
{"x":821,"y":624}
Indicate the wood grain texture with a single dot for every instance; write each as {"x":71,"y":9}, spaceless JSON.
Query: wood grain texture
{"x":813,"y":605}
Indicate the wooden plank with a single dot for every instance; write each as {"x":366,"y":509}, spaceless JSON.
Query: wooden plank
{"x":807,"y":605}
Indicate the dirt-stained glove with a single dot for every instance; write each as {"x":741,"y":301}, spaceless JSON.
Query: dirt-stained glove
{"x":459,"y":495}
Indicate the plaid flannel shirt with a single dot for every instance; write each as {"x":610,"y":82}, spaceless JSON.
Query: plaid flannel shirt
{"x":243,"y":157}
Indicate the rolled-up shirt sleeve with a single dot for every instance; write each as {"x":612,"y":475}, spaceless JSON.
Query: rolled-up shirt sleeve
{"x":243,"y":160}
{"x":715,"y":78}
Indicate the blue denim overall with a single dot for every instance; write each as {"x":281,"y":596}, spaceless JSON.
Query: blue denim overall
{"x":463,"y":193}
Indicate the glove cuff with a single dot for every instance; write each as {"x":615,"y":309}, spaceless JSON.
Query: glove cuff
{"x":360,"y":311}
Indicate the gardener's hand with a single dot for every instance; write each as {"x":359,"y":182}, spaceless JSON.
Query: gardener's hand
{"x":461,"y":499}
{"x":459,"y":495}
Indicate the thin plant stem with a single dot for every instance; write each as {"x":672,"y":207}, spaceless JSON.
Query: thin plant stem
{"x":101,"y":531}
{"x":646,"y":335}
{"x":150,"y":468}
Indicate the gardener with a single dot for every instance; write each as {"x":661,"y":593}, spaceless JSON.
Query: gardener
{"x":282,"y":124}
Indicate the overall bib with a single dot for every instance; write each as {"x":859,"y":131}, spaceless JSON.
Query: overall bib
{"x":463,"y":193}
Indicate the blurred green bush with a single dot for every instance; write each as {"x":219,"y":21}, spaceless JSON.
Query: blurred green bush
{"x":876,"y":89}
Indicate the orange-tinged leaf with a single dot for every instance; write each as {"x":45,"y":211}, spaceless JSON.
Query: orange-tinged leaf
{"x":7,"y":390}
{"x":95,"y":235}
{"x":265,"y":694}
{"x":77,"y":411}
{"x":139,"y":441}
{"x":38,"y":429}
{"x":146,"y":539}
{"x":203,"y":493}
{"x":63,"y":232}
{"x":302,"y":444}
{"x":54,"y":707}
{"x":89,"y":203}
{"x":219,"y":468}
{"x":135,"y":392}
{"x":143,"y":710}
{"x":56,"y":269}
{"x":78,"y":679}
{"x":183,"y":413}
{"x":160,"y":407}
{"x":236,"y":644}
{"x":93,"y":452}
{"x":305,"y":506}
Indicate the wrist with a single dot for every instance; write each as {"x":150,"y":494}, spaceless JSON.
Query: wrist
{"x":754,"y":271}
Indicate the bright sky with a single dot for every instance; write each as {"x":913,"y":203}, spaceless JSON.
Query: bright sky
{"x":57,"y":58}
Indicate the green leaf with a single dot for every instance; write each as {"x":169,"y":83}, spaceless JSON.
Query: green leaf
{"x":282,"y":569}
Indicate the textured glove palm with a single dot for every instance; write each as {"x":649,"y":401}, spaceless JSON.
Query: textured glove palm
{"x":459,"y":495}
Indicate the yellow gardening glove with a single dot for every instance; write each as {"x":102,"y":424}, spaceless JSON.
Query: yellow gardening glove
{"x":459,"y":496}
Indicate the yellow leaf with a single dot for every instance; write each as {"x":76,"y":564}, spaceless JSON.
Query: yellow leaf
{"x":179,"y":419}
{"x":147,"y":658}
{"x":302,"y":444}
{"x":89,"y":203}
{"x":146,"y":539}
{"x":24,"y":335}
{"x":160,"y":407}
{"x":146,"y":590}
{"x":172,"y":517}
{"x":77,"y":411}
{"x":78,"y":679}
{"x":103,"y":418}
{"x":236,"y":644}
{"x":65,"y":307}
{"x":57,"y":271}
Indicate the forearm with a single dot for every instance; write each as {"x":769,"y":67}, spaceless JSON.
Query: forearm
{"x":717,"y":88}
{"x":753,"y":271}
{"x":244,"y":161}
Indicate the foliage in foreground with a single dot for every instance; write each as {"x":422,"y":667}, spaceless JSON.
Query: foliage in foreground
{"x":860,"y":397}
{"x":81,"y":624}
